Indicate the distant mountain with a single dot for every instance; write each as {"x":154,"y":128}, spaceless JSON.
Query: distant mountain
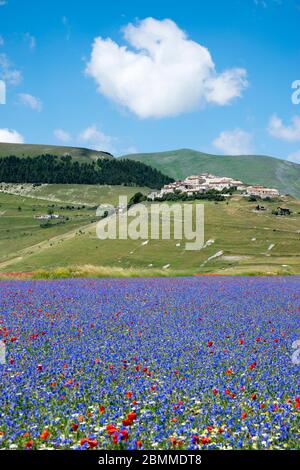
{"x":34,"y":150}
{"x":251,"y":169}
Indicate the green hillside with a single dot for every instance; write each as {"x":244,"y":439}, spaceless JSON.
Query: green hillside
{"x":251,"y":169}
{"x":33,"y":150}
{"x":239,"y":239}
{"x":75,"y":204}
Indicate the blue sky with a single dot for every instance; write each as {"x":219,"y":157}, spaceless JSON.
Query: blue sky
{"x":210,"y":75}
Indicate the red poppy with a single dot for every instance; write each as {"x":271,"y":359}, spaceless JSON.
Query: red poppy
{"x":215,"y":391}
{"x":111,"y":429}
{"x":101,"y":409}
{"x":29,"y":444}
{"x":74,"y":426}
{"x":174,"y":441}
{"x":91,"y":442}
{"x":69,"y":382}
{"x":45,"y":434}
{"x":205,"y":440}
{"x":209,"y":343}
{"x":139,"y":444}
{"x":244,"y":415}
{"x":124,"y":435}
{"x":253,"y":396}
{"x":129,"y":394}
{"x":127,"y":422}
{"x":229,"y":372}
{"x":132,"y":416}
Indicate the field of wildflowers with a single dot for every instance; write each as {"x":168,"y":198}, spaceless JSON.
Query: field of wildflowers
{"x":150,"y":363}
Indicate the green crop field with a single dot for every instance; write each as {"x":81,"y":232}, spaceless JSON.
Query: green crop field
{"x":252,"y":169}
{"x":245,"y":241}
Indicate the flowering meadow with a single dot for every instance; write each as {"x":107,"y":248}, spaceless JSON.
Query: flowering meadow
{"x":189,"y":363}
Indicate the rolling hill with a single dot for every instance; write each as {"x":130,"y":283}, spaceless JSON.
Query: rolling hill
{"x":239,"y":239}
{"x":252,"y":169}
{"x":33,"y":150}
{"x":25,"y":163}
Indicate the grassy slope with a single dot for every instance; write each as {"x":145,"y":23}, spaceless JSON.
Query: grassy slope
{"x":89,"y":194}
{"x":269,"y":171}
{"x":242,"y":234}
{"x":33,"y":150}
{"x":19,"y":230}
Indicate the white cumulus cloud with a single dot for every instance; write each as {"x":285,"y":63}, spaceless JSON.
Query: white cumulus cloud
{"x":30,"y":101}
{"x":236,"y":142}
{"x":289,"y":133}
{"x":10,"y":136}
{"x":162,"y":72}
{"x":62,"y":135}
{"x":96,"y":139}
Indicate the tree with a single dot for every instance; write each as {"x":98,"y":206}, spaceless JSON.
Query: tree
{"x":136,"y":199}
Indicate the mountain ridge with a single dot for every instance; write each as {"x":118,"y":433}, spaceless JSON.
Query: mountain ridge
{"x":33,"y":150}
{"x":251,"y":169}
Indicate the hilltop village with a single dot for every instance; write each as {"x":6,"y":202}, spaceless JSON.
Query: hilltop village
{"x":200,"y":184}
